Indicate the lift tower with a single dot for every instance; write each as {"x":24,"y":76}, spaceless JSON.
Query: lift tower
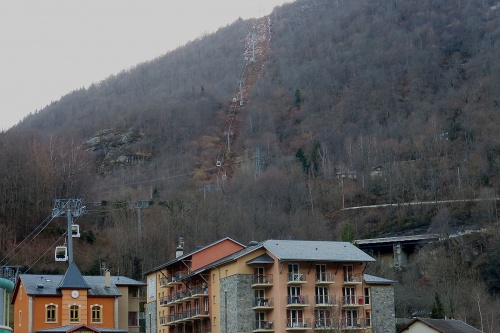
{"x":71,"y":208}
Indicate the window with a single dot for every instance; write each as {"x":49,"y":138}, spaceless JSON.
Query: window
{"x":368,"y":318}
{"x":322,"y":319}
{"x":322,"y":295}
{"x":367,"y":296}
{"x":348,"y":273}
{"x":294,"y":296}
{"x":349,"y":295}
{"x":74,"y":314}
{"x":213,"y":297}
{"x":293,"y":272}
{"x":51,"y":313}
{"x":206,"y":304}
{"x":20,"y":318}
{"x":136,"y":292}
{"x":260,"y":318}
{"x":259,"y":274}
{"x":133,"y":319}
{"x":320,"y":272}
{"x":295,"y":318}
{"x":350,"y":318}
{"x":96,"y":311}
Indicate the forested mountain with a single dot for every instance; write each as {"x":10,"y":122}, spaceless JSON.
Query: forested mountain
{"x":348,"y":103}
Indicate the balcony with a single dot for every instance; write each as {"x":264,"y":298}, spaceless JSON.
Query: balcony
{"x":198,"y":291}
{"x":325,"y":301}
{"x":352,"y":301}
{"x":354,"y":324}
{"x":185,"y":315}
{"x":324,"y":279}
{"x":262,"y":281}
{"x":327,"y":324}
{"x":163,"y":282}
{"x":199,"y":313}
{"x":263,"y":326}
{"x":296,"y":278}
{"x":175,"y":278}
{"x":352,"y":279}
{"x":171,"y":318}
{"x":163,"y":320}
{"x":263,"y":303}
{"x":297,"y":301}
{"x":164,"y":301}
{"x":298,"y":324}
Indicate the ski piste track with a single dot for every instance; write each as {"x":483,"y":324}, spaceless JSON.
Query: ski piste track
{"x":256,"y":47}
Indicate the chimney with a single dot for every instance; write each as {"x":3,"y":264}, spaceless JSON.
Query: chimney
{"x":179,"y":251}
{"x":107,"y":279}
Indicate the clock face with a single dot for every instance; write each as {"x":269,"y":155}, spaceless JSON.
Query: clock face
{"x":74,"y":293}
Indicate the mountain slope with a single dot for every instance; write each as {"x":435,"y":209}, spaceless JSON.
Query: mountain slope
{"x":401,"y":95}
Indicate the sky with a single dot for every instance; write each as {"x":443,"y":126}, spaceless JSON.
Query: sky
{"x":49,"y":48}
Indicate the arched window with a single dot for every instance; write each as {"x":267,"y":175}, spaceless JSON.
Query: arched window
{"x":96,"y":311}
{"x":74,"y":314}
{"x":51,"y":313}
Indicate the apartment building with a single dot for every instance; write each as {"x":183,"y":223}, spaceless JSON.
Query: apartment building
{"x":73,"y":303}
{"x":273,"y":286}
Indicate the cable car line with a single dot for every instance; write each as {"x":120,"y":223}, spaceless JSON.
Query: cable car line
{"x":23,"y":243}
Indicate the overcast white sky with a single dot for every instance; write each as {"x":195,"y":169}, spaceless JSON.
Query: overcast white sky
{"x":49,"y":48}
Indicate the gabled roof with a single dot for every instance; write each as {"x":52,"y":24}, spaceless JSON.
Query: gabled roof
{"x":262,"y":259}
{"x":297,"y":250}
{"x":73,"y":279}
{"x":183,"y":257}
{"x":316,"y":251}
{"x":443,"y":325}
{"x":48,"y":285}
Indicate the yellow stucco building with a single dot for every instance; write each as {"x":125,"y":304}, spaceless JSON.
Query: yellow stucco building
{"x":273,"y":286}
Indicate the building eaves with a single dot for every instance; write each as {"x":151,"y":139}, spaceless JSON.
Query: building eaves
{"x":48,"y":285}
{"x":377,"y":280}
{"x":78,"y":328}
{"x":226,"y":259}
{"x":183,"y":257}
{"x":262,"y":259}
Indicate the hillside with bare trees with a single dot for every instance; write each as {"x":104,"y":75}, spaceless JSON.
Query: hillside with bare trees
{"x":271,"y":128}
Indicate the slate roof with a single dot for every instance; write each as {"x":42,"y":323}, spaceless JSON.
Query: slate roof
{"x":49,"y":284}
{"x":444,"y":325}
{"x":316,"y":251}
{"x":298,"y":250}
{"x":376,"y":280}
{"x":73,"y":279}
{"x":188,"y":255}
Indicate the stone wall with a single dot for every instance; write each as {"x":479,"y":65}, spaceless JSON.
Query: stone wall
{"x":383,"y":316}
{"x":236,"y":301}
{"x":151,"y":313}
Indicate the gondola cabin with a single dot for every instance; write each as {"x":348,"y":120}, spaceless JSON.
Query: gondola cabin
{"x":61,"y":253}
{"x":75,"y":231}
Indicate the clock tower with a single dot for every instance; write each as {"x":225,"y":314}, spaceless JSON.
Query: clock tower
{"x":74,"y":297}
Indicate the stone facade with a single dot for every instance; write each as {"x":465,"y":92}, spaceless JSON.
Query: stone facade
{"x":151,"y":317}
{"x":237,"y":298}
{"x":383,"y":317}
